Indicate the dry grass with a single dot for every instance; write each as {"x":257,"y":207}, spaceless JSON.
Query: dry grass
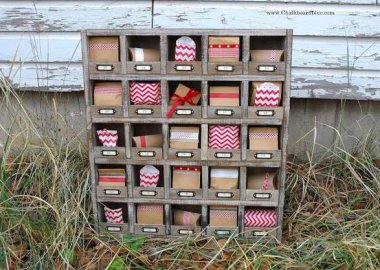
{"x":331,"y":220}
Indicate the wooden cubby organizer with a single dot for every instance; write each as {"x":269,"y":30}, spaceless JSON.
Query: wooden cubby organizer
{"x":131,"y":120}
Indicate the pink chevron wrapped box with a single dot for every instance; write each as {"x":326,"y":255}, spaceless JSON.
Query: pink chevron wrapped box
{"x":224,"y":96}
{"x":224,"y":177}
{"x":223,"y":49}
{"x":186,"y":177}
{"x":224,"y":137}
{"x":260,"y":218}
{"x":185,"y":49}
{"x":114,"y":216}
{"x":149,"y":176}
{"x":186,"y":218}
{"x":152,"y":214}
{"x":261,"y":181}
{"x":145,"y":93}
{"x":223,"y":216}
{"x":108,"y":138}
{"x":263,"y":138}
{"x":266,"y":94}
{"x":108,"y":94}
{"x":267,"y":55}
{"x":104,"y":49}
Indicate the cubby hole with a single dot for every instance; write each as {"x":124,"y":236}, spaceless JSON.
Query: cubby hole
{"x":113,"y":170}
{"x":260,"y":178}
{"x":264,"y":138}
{"x":144,"y":42}
{"x":104,"y":49}
{"x":223,"y":177}
{"x":172,"y":47}
{"x":271,"y":48}
{"x":195,"y":85}
{"x":150,"y":134}
{"x":193,"y":215}
{"x":240,"y":47}
{"x":111,"y":128}
{"x":113,"y":206}
{"x":106,"y":93}
{"x":136,"y":174}
{"x":265,"y":98}
{"x":231,"y":98}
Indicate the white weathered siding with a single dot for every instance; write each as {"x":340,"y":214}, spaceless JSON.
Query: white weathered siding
{"x":334,"y":56}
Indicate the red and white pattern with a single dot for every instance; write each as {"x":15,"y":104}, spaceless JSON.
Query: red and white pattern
{"x":223,"y":50}
{"x":223,"y":214}
{"x":104,"y":46}
{"x":149,"y":176}
{"x":143,"y":93}
{"x":267,"y":95}
{"x":150,"y":208}
{"x":265,"y":185}
{"x":260,"y":218}
{"x":273,"y":56}
{"x":186,"y":218}
{"x":108,"y":138}
{"x":107,"y":89}
{"x":264,"y":135}
{"x":114,"y":216}
{"x":185,"y":49}
{"x":224,"y":137}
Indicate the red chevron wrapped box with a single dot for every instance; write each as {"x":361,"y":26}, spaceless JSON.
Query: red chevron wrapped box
{"x":263,"y":181}
{"x":267,"y":55}
{"x":186,"y":218}
{"x":185,"y":49}
{"x":152,"y":214}
{"x":266,"y":94}
{"x":149,"y":176}
{"x":113,"y":216}
{"x":111,"y":177}
{"x":144,"y":55}
{"x":223,"y":49}
{"x":184,"y":137}
{"x":108,"y":94}
{"x":223,"y":216}
{"x":148,"y":141}
{"x":260,"y":218}
{"x":104,"y":49}
{"x":224,"y":137}
{"x":224,"y":177}
{"x":185,"y":177}
{"x":224,"y":96}
{"x":144,"y":93}
{"x":183,"y":95}
{"x":263,"y":138}
{"x":108,"y":138}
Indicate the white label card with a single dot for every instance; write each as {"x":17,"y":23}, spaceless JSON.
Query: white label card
{"x":183,"y":67}
{"x":224,"y":112}
{"x":222,"y":232}
{"x":224,"y":194}
{"x":147,"y":153}
{"x":265,"y":113}
{"x":184,"y":112}
{"x":104,"y":67}
{"x":225,"y":68}
{"x":266,"y":68}
{"x":112,"y":192}
{"x":143,"y":67}
{"x":109,"y":153}
{"x":259,"y":233}
{"x":262,"y":195}
{"x":184,"y":154}
{"x":107,"y":111}
{"x":144,"y":111}
{"x":149,"y":229}
{"x":148,"y":193}
{"x":184,"y":231}
{"x":186,"y":194}
{"x":223,"y":155}
{"x":264,"y":155}
{"x":113,"y":229}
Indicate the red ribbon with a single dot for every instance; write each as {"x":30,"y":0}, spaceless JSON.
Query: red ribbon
{"x":196,"y":169}
{"x":224,"y":95}
{"x":181,"y":100}
{"x":142,"y":141}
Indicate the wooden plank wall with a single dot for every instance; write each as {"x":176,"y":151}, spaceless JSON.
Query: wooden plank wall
{"x":334,"y":56}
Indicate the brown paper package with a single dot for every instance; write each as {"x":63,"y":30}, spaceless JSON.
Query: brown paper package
{"x":224,"y":101}
{"x":150,"y":140}
{"x":265,"y":55}
{"x":152,"y":214}
{"x":224,"y":40}
{"x":224,"y":182}
{"x":178,"y":218}
{"x":185,"y":144}
{"x":111,"y":99}
{"x":227,"y":216}
{"x":256,"y":180}
{"x":114,"y":172}
{"x":183,"y":180}
{"x":257,"y":84}
{"x":182,"y":91}
{"x":101,"y":55}
{"x":150,"y":55}
{"x":266,"y":143}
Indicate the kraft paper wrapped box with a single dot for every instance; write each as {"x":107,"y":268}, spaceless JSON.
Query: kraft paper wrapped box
{"x":146,"y":141}
{"x":144,"y":55}
{"x":145,"y":93}
{"x":184,"y":137}
{"x":266,"y":94}
{"x":108,"y":94}
{"x":113,"y":216}
{"x":224,"y":49}
{"x":111,"y":177}
{"x":224,"y":177}
{"x":104,"y":49}
{"x":263,"y":138}
{"x":149,"y":176}
{"x":263,"y":181}
{"x":223,"y":216}
{"x":224,"y":137}
{"x":186,"y":218}
{"x":152,"y":214}
{"x":224,"y":96}
{"x":185,"y":177}
{"x":183,"y":95}
{"x":260,"y":218}
{"x":267,"y":55}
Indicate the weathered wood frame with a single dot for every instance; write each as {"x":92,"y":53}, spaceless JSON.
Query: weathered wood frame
{"x":124,"y":118}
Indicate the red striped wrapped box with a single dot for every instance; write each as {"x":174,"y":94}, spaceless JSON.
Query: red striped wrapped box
{"x":149,"y":176}
{"x":266,"y":94}
{"x":224,"y":96}
{"x":144,"y":93}
{"x":108,"y":94}
{"x":223,"y":49}
{"x":104,"y":49}
{"x":113,"y":216}
{"x":260,"y":218}
{"x":224,"y":137}
{"x":111,"y":177}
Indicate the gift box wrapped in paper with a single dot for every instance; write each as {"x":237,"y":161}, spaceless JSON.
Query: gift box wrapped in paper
{"x":111,"y":177}
{"x":145,"y":93}
{"x":223,"y":216}
{"x":185,"y":177}
{"x":223,"y":49}
{"x":263,"y":138}
{"x":186,"y":218}
{"x":266,"y":94}
{"x":152,"y":214}
{"x":262,"y":181}
{"x":224,"y":137}
{"x":224,"y":177}
{"x":260,"y":218}
{"x":104,"y":49}
{"x":224,"y":96}
{"x":184,"y":137}
{"x":113,"y":216}
{"x":267,"y":55}
{"x":108,"y":94}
